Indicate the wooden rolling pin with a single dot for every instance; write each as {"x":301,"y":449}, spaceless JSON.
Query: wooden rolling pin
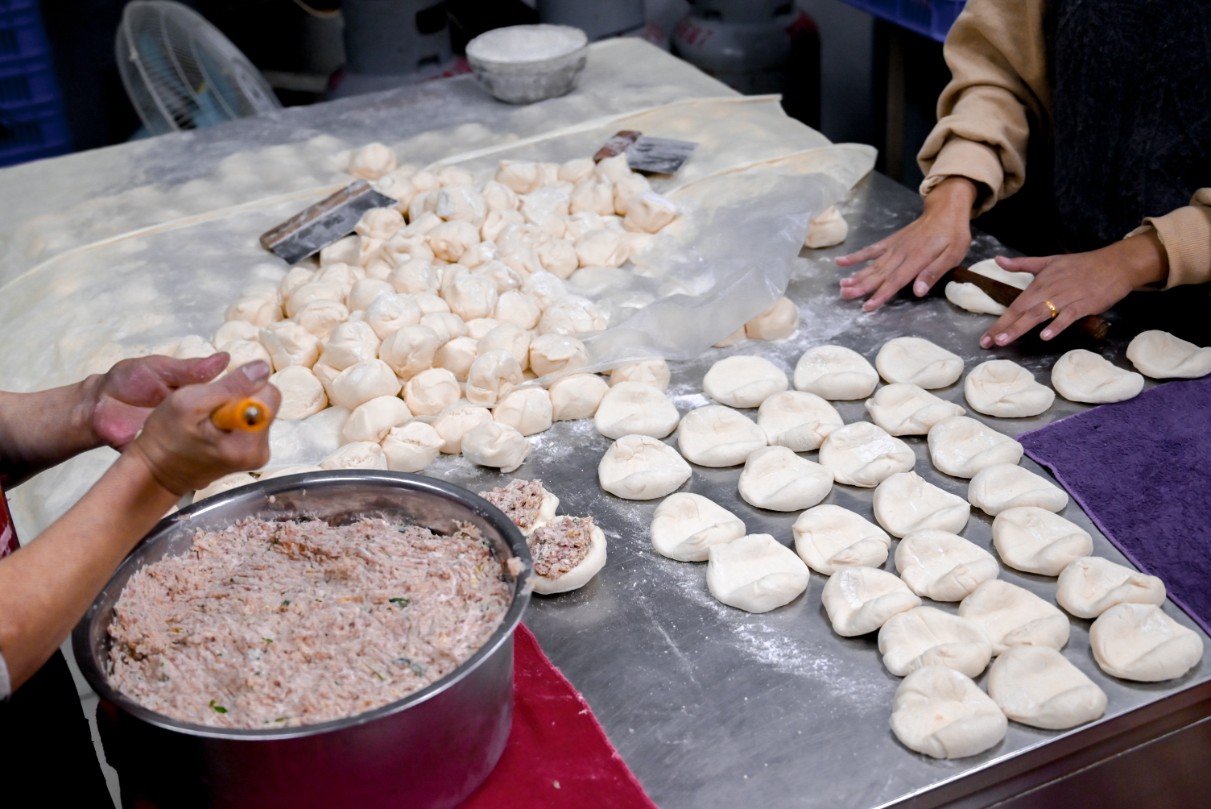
{"x":1095,"y":327}
{"x":242,"y":414}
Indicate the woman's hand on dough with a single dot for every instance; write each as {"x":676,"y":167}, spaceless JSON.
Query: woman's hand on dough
{"x":120,"y":400}
{"x":182,"y":447}
{"x":1077,"y":285}
{"x":924,"y":250}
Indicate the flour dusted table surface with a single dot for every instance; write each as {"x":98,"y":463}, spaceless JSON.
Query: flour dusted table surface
{"x":710,"y":706}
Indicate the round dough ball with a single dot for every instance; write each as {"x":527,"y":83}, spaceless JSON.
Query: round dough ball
{"x":527,"y":410}
{"x":777,"y":479}
{"x":686,"y":525}
{"x":507,"y":337}
{"x":372,"y":161}
{"x":1082,"y":376}
{"x":1160,"y":355}
{"x":432,"y":391}
{"x":349,"y":343}
{"x":372,"y":420}
{"x":471,"y":296}
{"x":797,"y":420}
{"x":943,"y":714}
{"x":1038,"y":687}
{"x":961,"y":446}
{"x":943,"y":566}
{"x":652,"y":372}
{"x":576,"y":396}
{"x":366,"y":291}
{"x":718,"y":436}
{"x":903,"y":408}
{"x":242,"y":352}
{"x":639,"y":467}
{"x":302,"y":393}
{"x":743,"y":381}
{"x":358,"y":455}
{"x":387,"y":314}
{"x":970,"y":297}
{"x":1035,"y":540}
{"x":460,"y":202}
{"x":647,"y":212}
{"x":917,"y":361}
{"x":557,"y":354}
{"x":862,"y":454}
{"x":1140,"y":642}
{"x":996,"y":488}
{"x":321,"y":317}
{"x":288,"y":343}
{"x":635,"y":408}
{"x":491,"y":376}
{"x":410,"y":350}
{"x":1091,"y":585}
{"x":411,"y":447}
{"x":223,"y":484}
{"x":362,"y":382}
{"x":255,"y":310}
{"x":1013,"y":616}
{"x":1005,"y":389}
{"x":831,"y":538}
{"x":776,"y":323}
{"x":235,"y":331}
{"x":755,"y":573}
{"x":496,"y":445}
{"x":520,"y":176}
{"x":456,"y":356}
{"x":905,"y":503}
{"x":518,"y":308}
{"x":551,"y":545}
{"x":454,"y":422}
{"x":414,"y":276}
{"x":826,"y":230}
{"x":571,"y":315}
{"x":927,"y":636}
{"x":446,"y":325}
{"x":835,"y":373}
{"x":859,"y":600}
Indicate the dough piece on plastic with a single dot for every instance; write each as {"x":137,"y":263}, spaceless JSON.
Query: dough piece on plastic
{"x":411,"y":447}
{"x":831,"y":538}
{"x":755,"y":573}
{"x":1140,"y":642}
{"x":456,"y":356}
{"x":446,"y":325}
{"x":1013,"y":616}
{"x":903,"y":408}
{"x":1160,"y":355}
{"x":507,"y":337}
{"x":527,"y":410}
{"x":519,"y":176}
{"x":243,"y":352}
{"x":367,"y":291}
{"x":826,"y":230}
{"x":518,"y":308}
{"x":362,"y":382}
{"x":432,"y":391}
{"x":1082,"y":376}
{"x":321,"y":317}
{"x":410,"y":350}
{"x":918,"y":361}
{"x":471,"y":296}
{"x":387,"y":314}
{"x":859,"y":600}
{"x":927,"y":636}
{"x":653,"y":372}
{"x":647,"y":212}
{"x":497,"y":445}
{"x":777,"y":479}
{"x":944,"y":714}
{"x":970,"y":297}
{"x":557,"y":354}
{"x":357,"y":455}
{"x":372,"y":161}
{"x":1091,"y":585}
{"x":639,"y":467}
{"x":905,"y":503}
{"x":961,"y":446}
{"x":797,"y":420}
{"x":996,"y":488}
{"x":776,"y":323}
{"x":1035,"y":540}
{"x":943,"y":566}
{"x":718,"y":436}
{"x":350,"y":342}
{"x":372,"y":420}
{"x":288,"y":344}
{"x":455,"y":421}
{"x":686,"y":525}
{"x":492,"y":375}
{"x":862,"y":454}
{"x":743,"y":381}
{"x":1005,"y":389}
{"x":302,"y":393}
{"x":835,"y":373}
{"x":576,"y":396}
{"x":526,"y":502}
{"x":1038,"y":687}
{"x":568,"y":552}
{"x":635,"y":408}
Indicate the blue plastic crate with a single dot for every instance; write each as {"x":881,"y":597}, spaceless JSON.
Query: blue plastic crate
{"x":945,"y":12}
{"x":930,"y":18}
{"x":32,"y":131}
{"x":21,"y":32}
{"x":27,"y":81}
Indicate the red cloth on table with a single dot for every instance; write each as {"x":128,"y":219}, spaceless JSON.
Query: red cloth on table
{"x":557,"y":754}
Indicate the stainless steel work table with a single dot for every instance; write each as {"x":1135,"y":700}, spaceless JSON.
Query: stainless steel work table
{"x":709,"y":705}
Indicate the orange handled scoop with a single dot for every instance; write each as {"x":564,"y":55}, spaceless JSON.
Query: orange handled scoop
{"x":242,"y":414}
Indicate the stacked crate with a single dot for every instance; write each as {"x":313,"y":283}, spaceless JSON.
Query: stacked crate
{"x":32,"y":119}
{"x":931,"y":18}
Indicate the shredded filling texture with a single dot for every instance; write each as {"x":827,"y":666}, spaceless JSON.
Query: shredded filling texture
{"x":276,"y":624}
{"x":521,"y":501}
{"x":560,"y":545}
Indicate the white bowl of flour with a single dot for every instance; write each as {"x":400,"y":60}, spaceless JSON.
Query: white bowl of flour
{"x":522,"y":64}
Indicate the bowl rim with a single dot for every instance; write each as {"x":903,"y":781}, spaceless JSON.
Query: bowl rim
{"x":265,"y":490}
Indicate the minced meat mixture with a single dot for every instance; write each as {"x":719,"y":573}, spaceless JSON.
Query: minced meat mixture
{"x":273,"y":624}
{"x":560,"y":545}
{"x":521,"y":501}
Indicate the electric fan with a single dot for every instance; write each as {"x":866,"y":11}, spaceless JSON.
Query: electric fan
{"x":180,"y":72}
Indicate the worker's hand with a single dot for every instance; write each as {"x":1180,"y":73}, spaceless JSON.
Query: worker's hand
{"x":1076,"y":285}
{"x":920,"y":253}
{"x":119,"y":401}
{"x":183,"y":448}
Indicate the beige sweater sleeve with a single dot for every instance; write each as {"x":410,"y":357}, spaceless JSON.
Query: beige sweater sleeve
{"x":1186,"y":236}
{"x":998,"y":89}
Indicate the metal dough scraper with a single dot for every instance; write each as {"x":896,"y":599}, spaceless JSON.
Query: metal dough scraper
{"x":647,"y":154}
{"x":328,"y":220}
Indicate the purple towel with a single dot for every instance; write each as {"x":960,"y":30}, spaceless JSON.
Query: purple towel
{"x":1141,"y":470}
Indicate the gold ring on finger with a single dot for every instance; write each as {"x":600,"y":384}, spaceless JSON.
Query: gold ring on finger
{"x":1051,"y":308}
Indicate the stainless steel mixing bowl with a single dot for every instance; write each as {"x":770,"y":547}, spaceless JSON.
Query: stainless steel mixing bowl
{"x":430,"y":749}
